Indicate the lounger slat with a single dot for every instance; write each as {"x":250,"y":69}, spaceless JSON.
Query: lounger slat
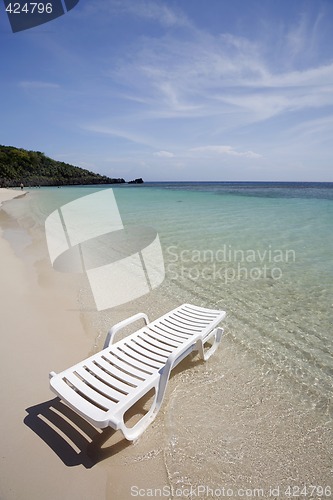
{"x":131,"y":360}
{"x":164,"y":337}
{"x":179,"y":327}
{"x":127,"y":368}
{"x":169,"y":331}
{"x":152,"y":345}
{"x":151,"y":353}
{"x":210,"y":320}
{"x":94,"y":396}
{"x":157,"y":342}
{"x":190,"y":316}
{"x":178,"y":330}
{"x":98,"y":385}
{"x":90,"y":411}
{"x":201,"y":312}
{"x":148,"y":362}
{"x":119,"y":376}
{"x":187,"y":319}
{"x":111,"y":381}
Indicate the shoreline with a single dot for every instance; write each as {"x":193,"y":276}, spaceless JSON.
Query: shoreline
{"x":7,"y":194}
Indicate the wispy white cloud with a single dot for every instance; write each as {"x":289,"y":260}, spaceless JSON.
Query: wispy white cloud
{"x":209,"y":75}
{"x":296,"y":37}
{"x":224,"y":150}
{"x":152,"y":10}
{"x":164,"y":154}
{"x":271,"y":102}
{"x":316,"y":130}
{"x":320,"y":75}
{"x":155,"y":11}
{"x":120,"y":133}
{"x":301,"y":38}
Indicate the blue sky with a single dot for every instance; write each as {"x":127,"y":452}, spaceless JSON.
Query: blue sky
{"x":176,"y":89}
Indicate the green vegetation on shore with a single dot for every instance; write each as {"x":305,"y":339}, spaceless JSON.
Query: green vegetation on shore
{"x":33,"y":168}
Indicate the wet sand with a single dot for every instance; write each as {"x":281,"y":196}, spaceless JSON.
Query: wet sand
{"x":9,"y":194}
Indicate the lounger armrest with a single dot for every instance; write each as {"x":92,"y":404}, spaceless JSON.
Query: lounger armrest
{"x":122,"y":324}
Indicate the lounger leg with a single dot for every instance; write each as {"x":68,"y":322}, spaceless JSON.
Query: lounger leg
{"x":133,"y":433}
{"x":217,"y":333}
{"x":141,"y":426}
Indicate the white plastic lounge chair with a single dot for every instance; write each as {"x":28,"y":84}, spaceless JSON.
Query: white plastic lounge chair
{"x":103,"y":387}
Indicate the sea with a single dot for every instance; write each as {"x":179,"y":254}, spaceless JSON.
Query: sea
{"x":263,"y":252}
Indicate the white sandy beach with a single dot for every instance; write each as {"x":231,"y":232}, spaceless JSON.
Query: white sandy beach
{"x":33,"y":339}
{"x":258,"y":438}
{"x":41,"y":331}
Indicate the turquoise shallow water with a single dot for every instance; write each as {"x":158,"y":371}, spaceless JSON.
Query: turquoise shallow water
{"x":262,"y":251}
{"x":259,"y":413}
